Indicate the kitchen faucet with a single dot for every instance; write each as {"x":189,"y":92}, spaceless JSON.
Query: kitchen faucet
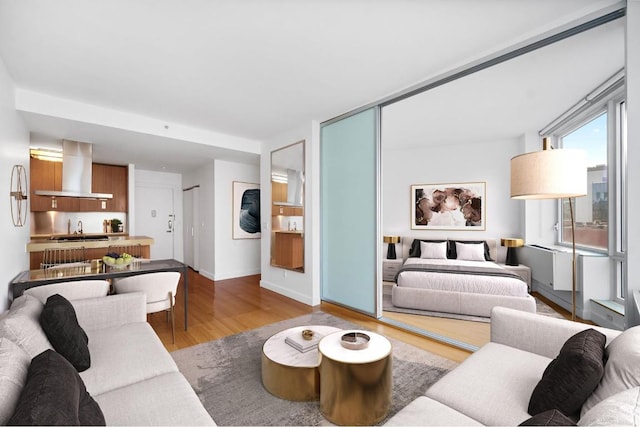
{"x":79,"y":227}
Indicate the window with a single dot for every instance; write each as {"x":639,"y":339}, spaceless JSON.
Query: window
{"x":591,"y":212}
{"x":598,"y":126}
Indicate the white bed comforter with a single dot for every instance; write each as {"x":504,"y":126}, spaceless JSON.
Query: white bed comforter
{"x":471,"y":283}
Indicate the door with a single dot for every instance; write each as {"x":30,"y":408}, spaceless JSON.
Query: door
{"x":155,"y":218}
{"x":349,"y":206}
{"x":190,"y":201}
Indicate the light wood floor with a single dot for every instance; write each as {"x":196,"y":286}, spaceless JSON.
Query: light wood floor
{"x":236,"y":305}
{"x":228,"y":307}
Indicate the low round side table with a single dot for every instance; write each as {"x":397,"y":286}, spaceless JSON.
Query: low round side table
{"x":288,"y":373}
{"x":355,"y":384}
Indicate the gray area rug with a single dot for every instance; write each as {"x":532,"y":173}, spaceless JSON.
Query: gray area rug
{"x":226,"y":375}
{"x":387,"y":305}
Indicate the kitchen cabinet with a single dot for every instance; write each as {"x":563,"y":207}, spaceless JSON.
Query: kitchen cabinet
{"x":111,"y":179}
{"x":279,"y":196}
{"x":47,"y":175}
{"x":289,"y":252}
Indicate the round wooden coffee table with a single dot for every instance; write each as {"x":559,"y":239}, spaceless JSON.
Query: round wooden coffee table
{"x":288,"y":373}
{"x":355,"y":384}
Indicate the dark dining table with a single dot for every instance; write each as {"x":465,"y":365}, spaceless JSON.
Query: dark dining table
{"x":86,"y":271}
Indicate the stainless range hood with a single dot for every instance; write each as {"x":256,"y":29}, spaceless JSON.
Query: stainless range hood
{"x":77,"y":159}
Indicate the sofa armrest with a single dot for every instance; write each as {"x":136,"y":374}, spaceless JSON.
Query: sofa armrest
{"x":110,"y":311}
{"x":536,"y":333}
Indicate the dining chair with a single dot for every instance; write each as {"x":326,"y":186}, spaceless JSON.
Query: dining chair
{"x":60,"y":256}
{"x":160,"y":289}
{"x":78,"y":289}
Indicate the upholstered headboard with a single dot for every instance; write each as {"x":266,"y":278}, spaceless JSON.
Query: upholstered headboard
{"x":406,"y":241}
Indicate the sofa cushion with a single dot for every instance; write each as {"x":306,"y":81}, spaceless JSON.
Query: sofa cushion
{"x":162,"y":400}
{"x":124,"y":355}
{"x":424,"y":411}
{"x":59,"y":322}
{"x":572,"y":376}
{"x":497,"y":381}
{"x":622,"y":409}
{"x":552,"y":417}
{"x":79,"y":289}
{"x":14,"y":365}
{"x":21,"y":325}
{"x":621,"y":370}
{"x":55,"y":395}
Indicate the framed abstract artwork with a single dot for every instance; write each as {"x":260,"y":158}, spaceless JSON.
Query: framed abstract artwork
{"x":246,"y":210}
{"x":456,"y":206}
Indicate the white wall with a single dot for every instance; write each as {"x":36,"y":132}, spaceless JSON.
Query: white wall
{"x":303,"y":287}
{"x":470,"y":162}
{"x":14,"y":150}
{"x":233,"y":258}
{"x":204,"y":177}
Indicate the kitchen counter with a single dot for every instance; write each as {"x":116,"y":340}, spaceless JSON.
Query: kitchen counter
{"x":39,"y":244}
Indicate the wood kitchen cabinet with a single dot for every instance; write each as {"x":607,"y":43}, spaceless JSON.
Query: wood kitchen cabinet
{"x":279,"y":195}
{"x":47,"y":175}
{"x":289,"y":249}
{"x":111,"y":179}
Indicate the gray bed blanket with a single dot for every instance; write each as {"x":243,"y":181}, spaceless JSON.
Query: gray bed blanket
{"x":459,"y":269}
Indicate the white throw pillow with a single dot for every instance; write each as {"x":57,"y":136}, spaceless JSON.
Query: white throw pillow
{"x":21,"y":324}
{"x":470,"y":251}
{"x":433,"y":250}
{"x":14,"y":365}
{"x":622,"y":369}
{"x":622,"y":409}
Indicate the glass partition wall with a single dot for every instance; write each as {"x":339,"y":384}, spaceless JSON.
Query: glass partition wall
{"x":460,"y":127}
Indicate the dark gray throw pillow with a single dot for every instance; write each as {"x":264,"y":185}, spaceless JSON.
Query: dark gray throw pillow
{"x":571,"y":377}
{"x":54,"y":394}
{"x":552,"y":417}
{"x":60,"y":324}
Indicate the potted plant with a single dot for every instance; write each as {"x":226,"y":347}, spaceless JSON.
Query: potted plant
{"x":116,"y":225}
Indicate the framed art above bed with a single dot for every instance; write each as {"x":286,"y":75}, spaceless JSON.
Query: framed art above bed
{"x":457,"y":206}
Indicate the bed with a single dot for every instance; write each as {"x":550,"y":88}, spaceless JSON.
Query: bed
{"x":457,"y":276}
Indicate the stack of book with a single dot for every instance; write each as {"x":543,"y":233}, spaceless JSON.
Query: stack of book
{"x":296,"y":341}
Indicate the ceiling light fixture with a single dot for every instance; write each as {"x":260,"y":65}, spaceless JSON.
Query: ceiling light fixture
{"x":47,"y":154}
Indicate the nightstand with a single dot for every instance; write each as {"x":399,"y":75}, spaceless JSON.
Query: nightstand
{"x":390,"y":268}
{"x":522,"y":271}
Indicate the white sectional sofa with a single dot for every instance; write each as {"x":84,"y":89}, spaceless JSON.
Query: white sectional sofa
{"x":132,"y":377}
{"x":494,"y":385}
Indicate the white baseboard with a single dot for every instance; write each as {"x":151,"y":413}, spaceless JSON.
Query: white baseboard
{"x":234,"y":274}
{"x":305,"y":299}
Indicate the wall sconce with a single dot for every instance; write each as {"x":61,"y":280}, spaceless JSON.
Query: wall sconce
{"x":391,"y":240}
{"x":511,"y":245}
{"x":18,"y":196}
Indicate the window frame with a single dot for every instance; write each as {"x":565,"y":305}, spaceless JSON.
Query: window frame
{"x":612,"y":101}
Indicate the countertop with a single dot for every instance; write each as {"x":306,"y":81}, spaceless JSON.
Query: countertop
{"x":40,"y":243}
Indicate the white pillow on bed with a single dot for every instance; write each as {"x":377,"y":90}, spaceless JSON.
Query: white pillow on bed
{"x":470,"y":251}
{"x":433,"y":250}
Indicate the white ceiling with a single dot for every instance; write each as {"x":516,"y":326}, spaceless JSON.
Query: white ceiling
{"x":250,"y":69}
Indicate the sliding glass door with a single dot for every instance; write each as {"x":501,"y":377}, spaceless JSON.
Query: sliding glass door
{"x":349,"y":211}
